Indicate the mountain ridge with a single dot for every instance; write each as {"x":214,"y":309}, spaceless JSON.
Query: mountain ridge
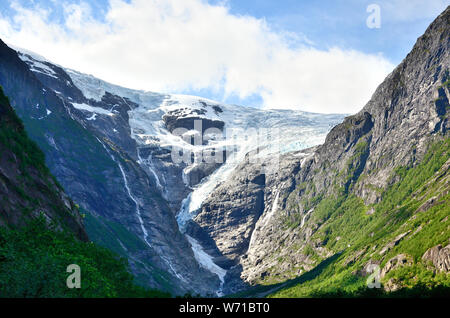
{"x":362,"y":159}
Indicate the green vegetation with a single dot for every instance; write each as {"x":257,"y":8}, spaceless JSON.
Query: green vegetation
{"x":357,"y":238}
{"x":34,"y":259}
{"x":29,"y":161}
{"x":14,"y":137}
{"x":118,"y":239}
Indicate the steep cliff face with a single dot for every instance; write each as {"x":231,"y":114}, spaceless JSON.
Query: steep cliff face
{"x":96,"y":162}
{"x":27,"y":189}
{"x":293,"y":212}
{"x":41,"y":229}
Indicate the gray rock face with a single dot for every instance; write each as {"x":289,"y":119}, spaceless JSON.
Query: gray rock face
{"x":96,"y":160}
{"x":440,"y":257}
{"x":396,"y":240}
{"x":177,"y":119}
{"x":247,"y":219}
{"x":27,"y":189}
{"x":115,"y":158}
{"x":230,"y":216}
{"x":395,"y":262}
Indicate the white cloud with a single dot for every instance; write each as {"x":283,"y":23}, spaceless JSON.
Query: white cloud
{"x":175,"y":46}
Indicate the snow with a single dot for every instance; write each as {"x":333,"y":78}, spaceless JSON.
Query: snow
{"x":89,"y":85}
{"x":93,"y":117}
{"x":292,"y":131}
{"x":96,"y":110}
{"x":206,"y":261}
{"x":36,"y":64}
{"x":34,"y":55}
{"x":94,"y":88}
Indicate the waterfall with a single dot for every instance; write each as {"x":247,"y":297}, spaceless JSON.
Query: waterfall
{"x":207,"y":262}
{"x":138,"y":210}
{"x":138,"y":213}
{"x":304,"y":217}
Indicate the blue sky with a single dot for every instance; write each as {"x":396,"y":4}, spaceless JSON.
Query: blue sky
{"x":342,"y":23}
{"x":247,"y":46}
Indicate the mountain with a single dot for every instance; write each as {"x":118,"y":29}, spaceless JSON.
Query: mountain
{"x":42,"y":232}
{"x":112,"y":149}
{"x":213,"y":199}
{"x":373,"y":197}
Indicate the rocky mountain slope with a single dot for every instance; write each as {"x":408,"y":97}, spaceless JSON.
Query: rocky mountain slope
{"x":113,"y":149}
{"x":106,"y":182}
{"x":42,"y":232}
{"x":366,"y":196}
{"x":28,"y":190}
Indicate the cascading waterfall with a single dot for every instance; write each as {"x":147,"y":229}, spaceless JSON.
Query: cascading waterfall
{"x":305,"y":216}
{"x":149,"y":164}
{"x":138,"y":210}
{"x":130,"y":195}
{"x":265,"y":220}
{"x":205,"y":260}
{"x":192,"y":204}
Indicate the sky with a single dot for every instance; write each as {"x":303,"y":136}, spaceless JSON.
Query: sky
{"x":320,"y":56}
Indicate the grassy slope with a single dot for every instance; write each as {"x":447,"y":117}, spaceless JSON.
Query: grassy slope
{"x":345,"y":217}
{"x":34,"y":259}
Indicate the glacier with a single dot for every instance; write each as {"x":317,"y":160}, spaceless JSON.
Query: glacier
{"x":262,"y":132}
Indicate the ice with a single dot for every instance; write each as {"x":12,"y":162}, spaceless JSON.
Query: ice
{"x":96,"y":110}
{"x":206,"y":261}
{"x":36,"y":64}
{"x":89,"y":85}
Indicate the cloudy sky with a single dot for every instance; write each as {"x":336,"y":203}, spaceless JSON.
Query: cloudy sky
{"x":315,"y":56}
